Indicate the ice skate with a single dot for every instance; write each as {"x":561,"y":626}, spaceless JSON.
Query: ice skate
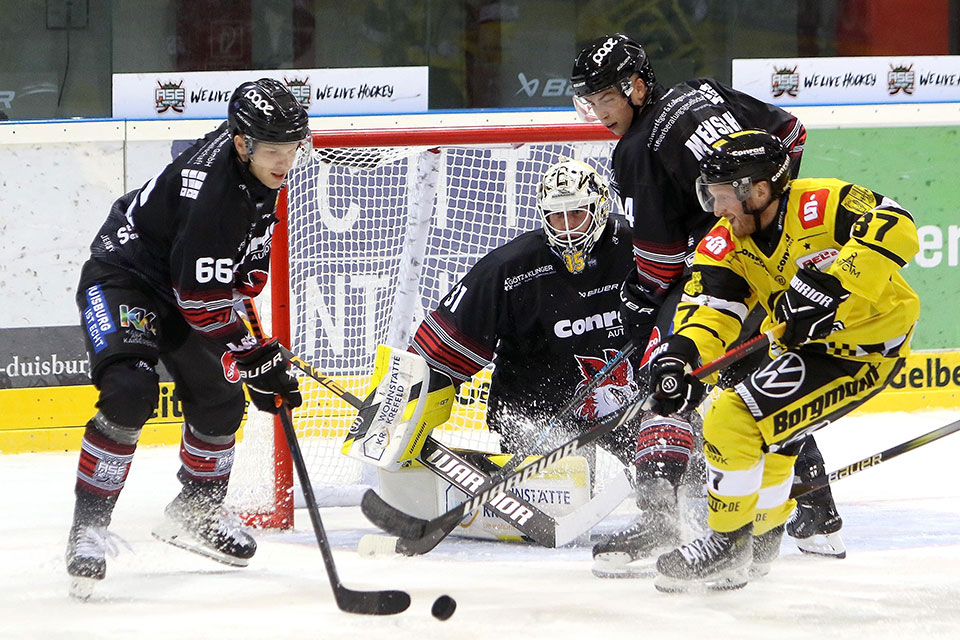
{"x":815,"y":527}
{"x":713,"y":562}
{"x":87,"y":548}
{"x":766,"y":549}
{"x":632,"y":552}
{"x":199,"y":525}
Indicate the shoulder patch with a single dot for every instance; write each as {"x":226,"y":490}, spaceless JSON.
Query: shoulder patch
{"x":812,"y":206}
{"x":859,"y":200}
{"x":716,"y":244}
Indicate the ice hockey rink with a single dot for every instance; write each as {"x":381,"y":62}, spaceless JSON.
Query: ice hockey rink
{"x":901,"y":577}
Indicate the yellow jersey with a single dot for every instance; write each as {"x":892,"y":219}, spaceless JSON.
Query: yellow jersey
{"x":860,"y":236}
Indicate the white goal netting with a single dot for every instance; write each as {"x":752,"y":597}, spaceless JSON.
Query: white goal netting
{"x":377,"y":236}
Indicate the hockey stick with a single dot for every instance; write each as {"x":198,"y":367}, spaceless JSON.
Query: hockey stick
{"x":802,"y":488}
{"x":519,"y":512}
{"x":381,"y":603}
{"x":402,"y":524}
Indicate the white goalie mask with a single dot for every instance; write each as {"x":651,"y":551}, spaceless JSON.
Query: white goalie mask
{"x":574,"y":202}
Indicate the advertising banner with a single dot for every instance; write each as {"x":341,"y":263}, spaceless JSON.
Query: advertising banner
{"x":204,"y":94}
{"x":849,"y":80}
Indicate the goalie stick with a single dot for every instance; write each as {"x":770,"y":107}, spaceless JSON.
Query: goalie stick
{"x":381,"y":603}
{"x":802,"y":488}
{"x":513,"y":509}
{"x":397,"y":522}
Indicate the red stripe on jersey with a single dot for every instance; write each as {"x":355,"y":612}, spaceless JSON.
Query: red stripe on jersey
{"x":436,"y":347}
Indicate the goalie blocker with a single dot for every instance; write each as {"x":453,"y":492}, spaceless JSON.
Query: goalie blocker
{"x":406,"y":401}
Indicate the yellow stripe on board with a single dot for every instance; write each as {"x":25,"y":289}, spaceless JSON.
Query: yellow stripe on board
{"x":53,"y":418}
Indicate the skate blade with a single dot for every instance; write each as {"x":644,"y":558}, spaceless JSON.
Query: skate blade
{"x":82,"y":588}
{"x":827,"y":545}
{"x":726,"y":581}
{"x":171,"y":533}
{"x":619,"y":565}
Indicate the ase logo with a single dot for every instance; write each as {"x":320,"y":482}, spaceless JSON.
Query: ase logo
{"x":169,"y":95}
{"x":812,"y":206}
{"x":716,"y":244}
{"x":785,"y":81}
{"x":899,"y":79}
{"x":300,"y":89}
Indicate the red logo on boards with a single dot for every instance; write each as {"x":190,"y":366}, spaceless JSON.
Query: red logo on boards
{"x":812,"y":206}
{"x":716,"y":244}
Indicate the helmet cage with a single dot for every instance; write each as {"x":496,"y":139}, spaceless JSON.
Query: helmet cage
{"x":567,"y":187}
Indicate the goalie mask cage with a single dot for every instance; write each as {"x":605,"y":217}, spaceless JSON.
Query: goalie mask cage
{"x":375,"y":228}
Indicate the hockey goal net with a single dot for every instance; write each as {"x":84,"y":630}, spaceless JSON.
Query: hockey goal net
{"x":374,"y":231}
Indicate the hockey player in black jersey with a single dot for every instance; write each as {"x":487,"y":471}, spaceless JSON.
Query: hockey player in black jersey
{"x":165,"y":270}
{"x":664,"y":135}
{"x":544,"y":308}
{"x":823,"y":257}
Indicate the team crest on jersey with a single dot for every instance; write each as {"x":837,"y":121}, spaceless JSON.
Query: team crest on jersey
{"x":618,"y":388}
{"x":813,"y":205}
{"x":716,"y":244}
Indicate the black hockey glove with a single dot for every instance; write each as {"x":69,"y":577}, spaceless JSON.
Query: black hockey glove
{"x":267,"y":374}
{"x":672,"y":388}
{"x":809,"y":306}
{"x":637,"y":314}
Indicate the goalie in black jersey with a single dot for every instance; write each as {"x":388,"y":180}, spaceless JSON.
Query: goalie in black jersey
{"x":822,"y":256}
{"x":664,"y":135}
{"x":165,"y":270}
{"x":545,"y":309}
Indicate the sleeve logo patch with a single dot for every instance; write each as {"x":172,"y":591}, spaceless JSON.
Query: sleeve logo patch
{"x":812,"y":207}
{"x":716,"y":244}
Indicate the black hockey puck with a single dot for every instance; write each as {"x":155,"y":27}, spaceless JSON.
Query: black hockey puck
{"x":443,"y":607}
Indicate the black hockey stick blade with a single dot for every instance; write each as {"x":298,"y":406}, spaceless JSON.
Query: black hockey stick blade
{"x":392,"y":520}
{"x":380,"y":603}
{"x":802,"y":488}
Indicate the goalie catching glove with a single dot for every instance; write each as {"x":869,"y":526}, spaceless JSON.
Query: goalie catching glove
{"x":809,"y":306}
{"x":672,"y":388}
{"x":267,"y":374}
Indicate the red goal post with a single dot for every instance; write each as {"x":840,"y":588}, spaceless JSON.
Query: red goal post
{"x":373,"y":230}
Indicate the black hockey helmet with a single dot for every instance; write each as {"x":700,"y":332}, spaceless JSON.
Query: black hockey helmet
{"x":742,"y":159}
{"x":610,"y":61}
{"x":266,"y":111}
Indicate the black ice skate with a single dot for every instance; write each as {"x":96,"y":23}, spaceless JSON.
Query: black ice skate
{"x":766,"y":548}
{"x":715,"y":561}
{"x":815,"y":526}
{"x":632,"y":552}
{"x":87,"y":548}
{"x":199,"y":525}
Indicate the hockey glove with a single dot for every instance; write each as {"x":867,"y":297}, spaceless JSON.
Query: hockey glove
{"x":672,"y":388}
{"x":267,"y":374}
{"x":637,"y":313}
{"x":809,"y":306}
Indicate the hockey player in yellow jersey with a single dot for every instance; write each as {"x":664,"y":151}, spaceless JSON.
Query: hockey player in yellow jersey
{"x":821,"y":256}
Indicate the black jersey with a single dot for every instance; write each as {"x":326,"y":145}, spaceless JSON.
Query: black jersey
{"x":656,"y":164}
{"x":198,"y":234}
{"x":547,"y":330}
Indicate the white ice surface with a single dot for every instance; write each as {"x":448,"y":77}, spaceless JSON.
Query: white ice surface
{"x":901,"y":578}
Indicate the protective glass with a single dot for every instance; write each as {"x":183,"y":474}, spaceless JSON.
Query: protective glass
{"x":708,"y":192}
{"x":296,"y":153}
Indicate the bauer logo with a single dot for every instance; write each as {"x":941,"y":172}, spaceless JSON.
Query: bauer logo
{"x":170,"y":96}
